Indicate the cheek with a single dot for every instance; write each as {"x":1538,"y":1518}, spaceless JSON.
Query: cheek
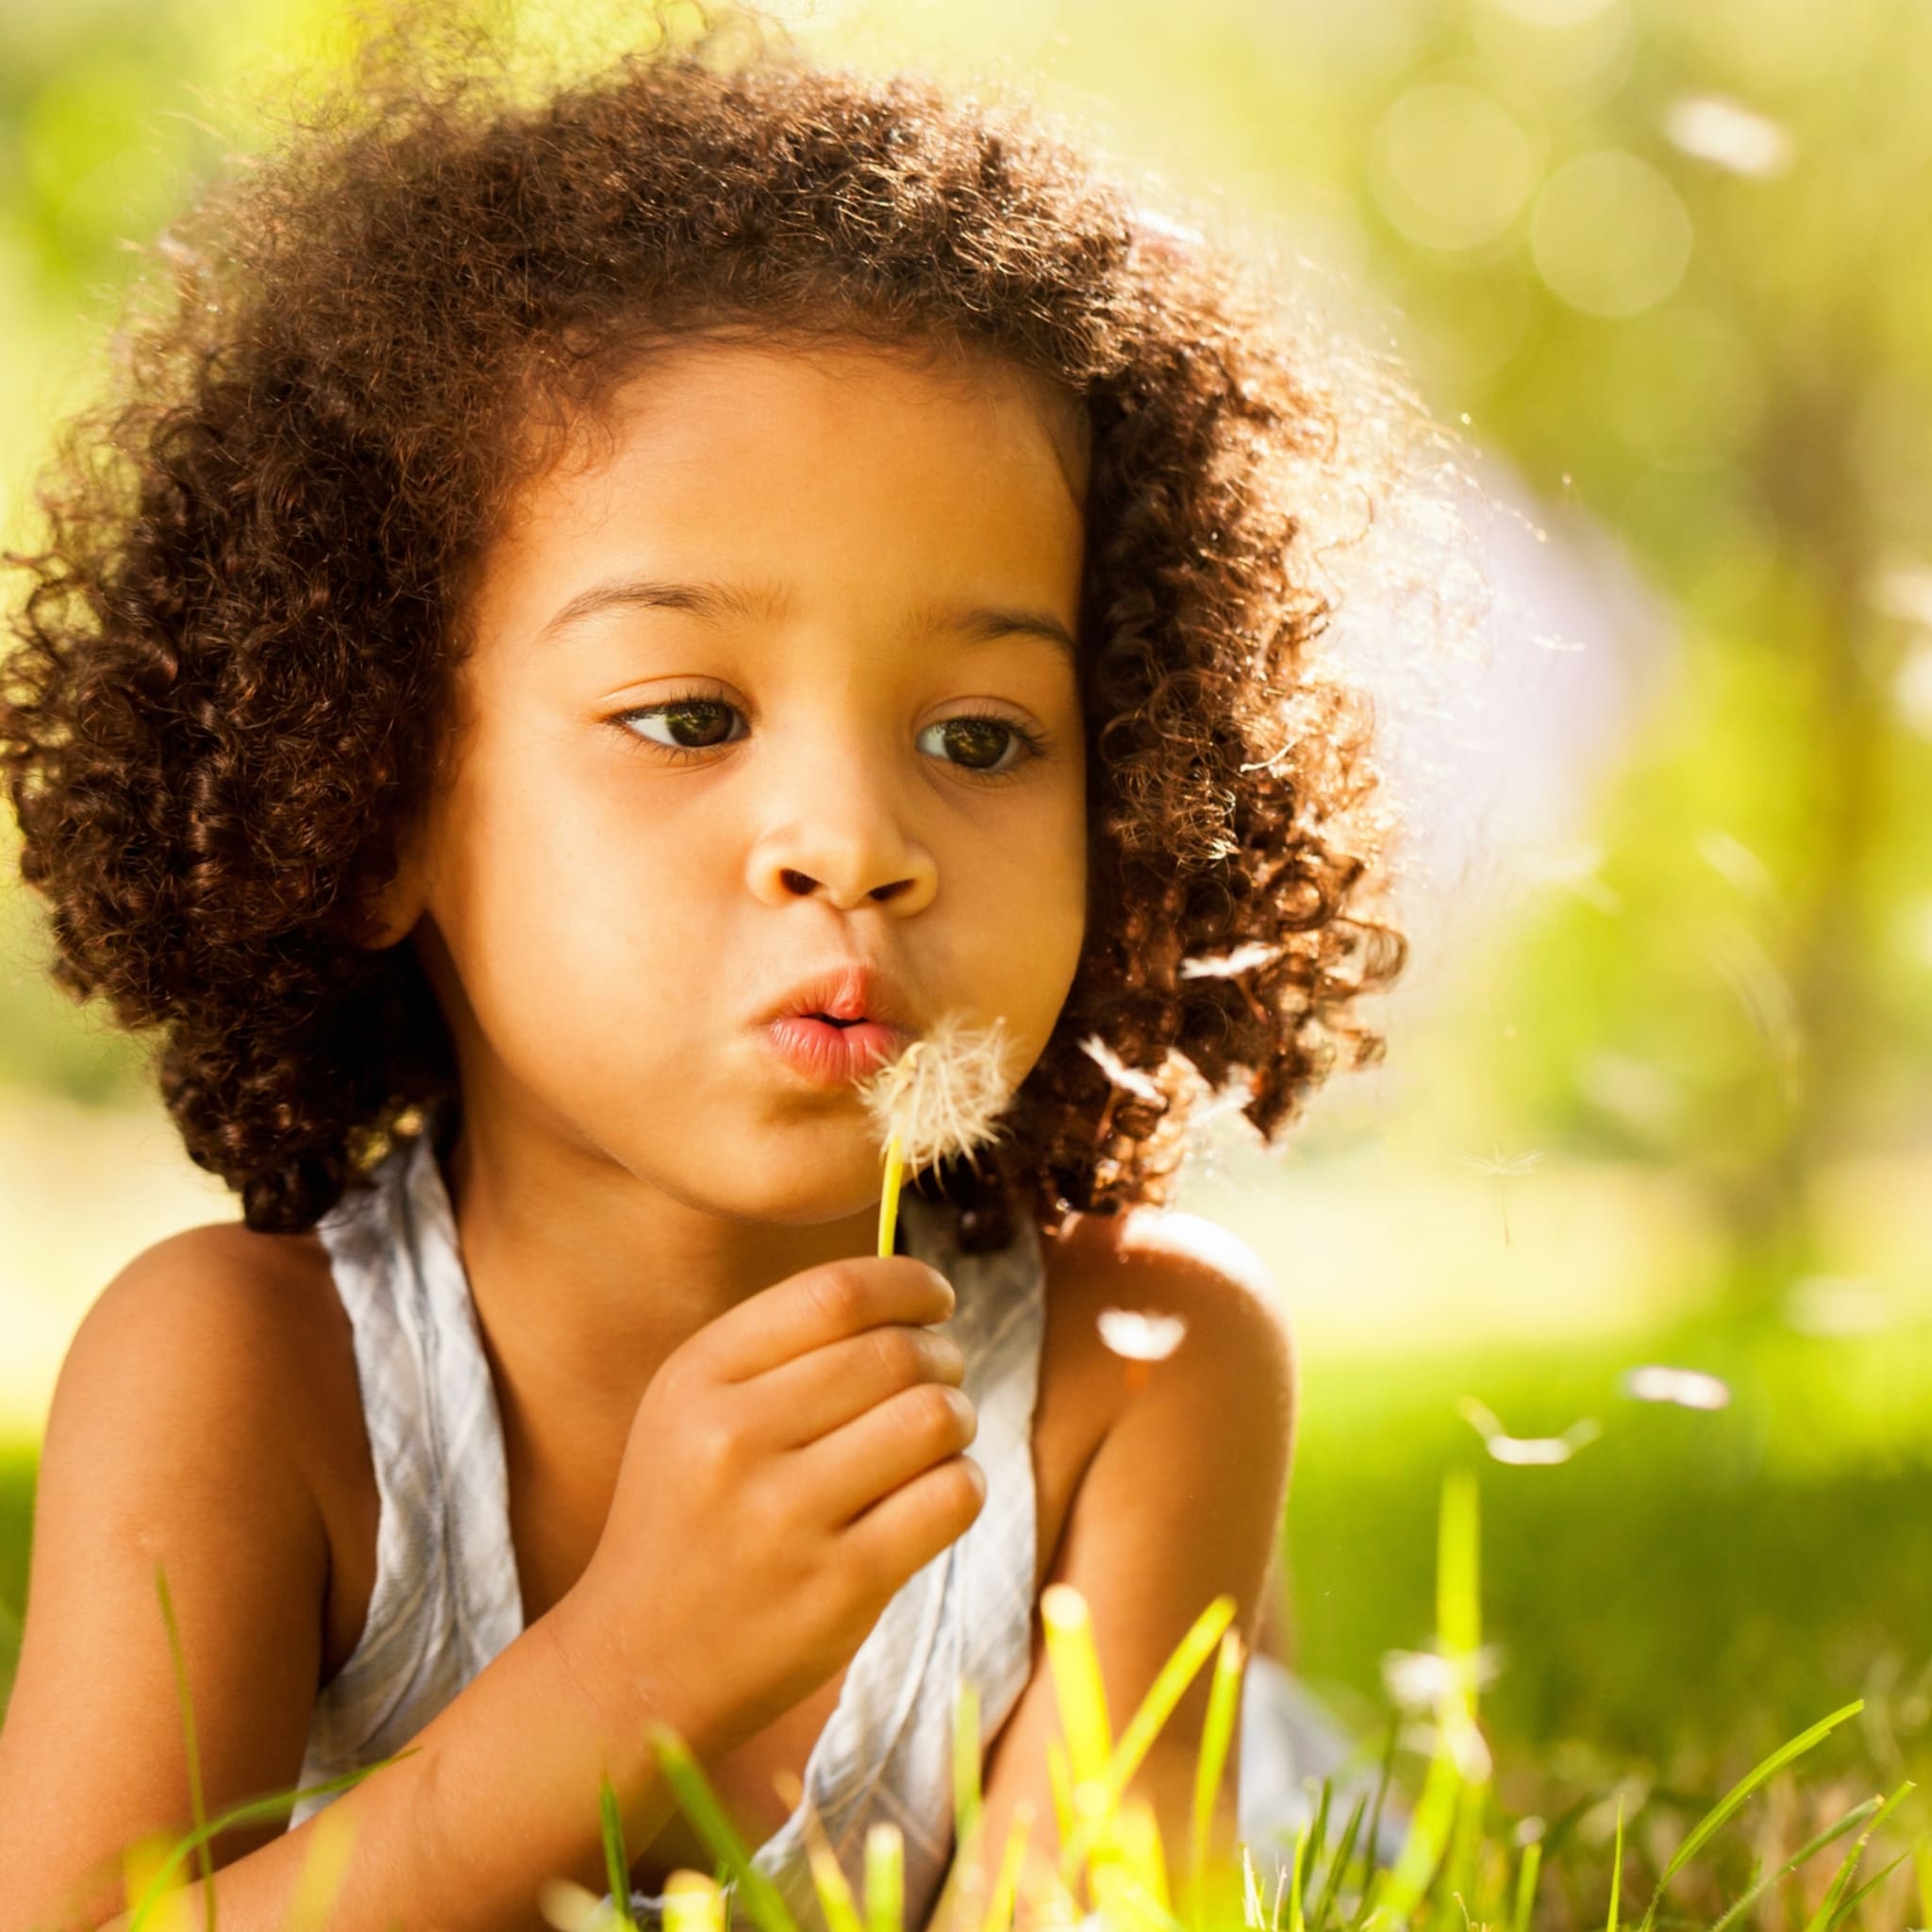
{"x":562,"y":873}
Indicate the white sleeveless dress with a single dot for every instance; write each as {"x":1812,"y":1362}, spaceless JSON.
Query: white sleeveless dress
{"x":447,"y":1598}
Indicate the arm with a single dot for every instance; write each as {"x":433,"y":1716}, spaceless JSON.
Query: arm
{"x":174,"y":1439}
{"x":1182,"y":1500}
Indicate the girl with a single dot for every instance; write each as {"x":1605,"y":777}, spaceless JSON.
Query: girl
{"x":576,"y":586}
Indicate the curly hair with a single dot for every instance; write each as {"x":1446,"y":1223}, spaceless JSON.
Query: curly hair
{"x":231,"y":672}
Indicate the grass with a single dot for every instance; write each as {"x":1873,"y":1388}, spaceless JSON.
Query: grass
{"x":1462,"y":1857}
{"x":1691,"y":1579}
{"x":1672,"y":1606}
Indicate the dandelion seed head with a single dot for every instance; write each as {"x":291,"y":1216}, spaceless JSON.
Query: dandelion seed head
{"x":943,"y":1095}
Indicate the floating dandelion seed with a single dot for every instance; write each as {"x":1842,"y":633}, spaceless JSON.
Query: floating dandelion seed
{"x":1420,"y":1679}
{"x":1117,"y":1069}
{"x":1831,"y":1305}
{"x":1687,"y":1388}
{"x":1140,"y":1339}
{"x":1226,"y":965}
{"x":1728,"y":135}
{"x":1233,"y":966}
{"x":1526,"y":1452}
{"x":1505,"y":1167}
{"x":1575,"y":869}
{"x":943,"y":1096}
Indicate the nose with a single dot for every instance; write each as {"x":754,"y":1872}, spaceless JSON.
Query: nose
{"x":842,"y":836}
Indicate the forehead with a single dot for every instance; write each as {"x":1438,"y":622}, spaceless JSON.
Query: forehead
{"x":930,"y":425}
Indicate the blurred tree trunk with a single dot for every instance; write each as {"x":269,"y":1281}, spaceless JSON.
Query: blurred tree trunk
{"x":1810,"y":482}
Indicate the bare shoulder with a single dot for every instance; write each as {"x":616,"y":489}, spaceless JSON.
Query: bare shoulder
{"x":251,"y":1321}
{"x":180,"y":1444}
{"x":1157,"y":1267}
{"x":1160,"y":1279}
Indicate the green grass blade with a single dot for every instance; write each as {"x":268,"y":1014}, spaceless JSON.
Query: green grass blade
{"x":252,"y":1812}
{"x":1459,"y":1591}
{"x":1086,"y":1705}
{"x":1871,"y":1884}
{"x":196,"y":1804}
{"x":1372,"y":1843}
{"x":616,"y":1858}
{"x":1830,"y":1834}
{"x":1726,"y":1807}
{"x":1459,"y":1870}
{"x":966,"y":1794}
{"x":1169,"y":1682}
{"x":829,"y":1878}
{"x":1217,"y":1735}
{"x":968,"y":1852}
{"x":1526,"y":1883}
{"x":1318,"y":1836}
{"x":999,"y":1914}
{"x":1078,"y":1685}
{"x":1297,"y":1923}
{"x":1829,"y":1912}
{"x":1337,"y":1865}
{"x":1405,"y":1884}
{"x":1059,"y":1779}
{"x":885,"y":1879}
{"x":1458,"y":1630}
{"x":693,"y":1903}
{"x":694,"y":1794}
{"x":1615,"y":1869}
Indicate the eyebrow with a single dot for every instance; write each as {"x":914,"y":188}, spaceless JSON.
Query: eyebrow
{"x":971,"y":622}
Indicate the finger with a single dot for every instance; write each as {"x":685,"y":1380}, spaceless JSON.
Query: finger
{"x":903,"y":1532}
{"x":823,"y":1305}
{"x":903,"y":1437}
{"x":815,"y":1394}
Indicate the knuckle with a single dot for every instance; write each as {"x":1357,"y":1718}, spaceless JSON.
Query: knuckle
{"x":967,"y":1486}
{"x":940,"y":1414}
{"x":713,"y":1443}
{"x":839,"y":1294}
{"x":899,"y":1352}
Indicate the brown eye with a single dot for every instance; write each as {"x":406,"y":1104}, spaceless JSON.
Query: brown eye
{"x":980,"y":745}
{"x":694,"y":723}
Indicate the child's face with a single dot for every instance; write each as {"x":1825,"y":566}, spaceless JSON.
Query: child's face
{"x":608,"y":923}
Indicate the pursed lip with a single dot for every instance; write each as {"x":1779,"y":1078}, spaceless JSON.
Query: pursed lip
{"x":856,"y":989}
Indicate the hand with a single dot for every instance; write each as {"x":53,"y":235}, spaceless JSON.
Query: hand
{"x":790,"y":1467}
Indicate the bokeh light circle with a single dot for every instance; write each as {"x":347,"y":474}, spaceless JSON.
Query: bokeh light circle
{"x":1450,"y":166}
{"x":1608,"y":234}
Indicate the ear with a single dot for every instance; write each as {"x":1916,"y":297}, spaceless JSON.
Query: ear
{"x":391,"y":916}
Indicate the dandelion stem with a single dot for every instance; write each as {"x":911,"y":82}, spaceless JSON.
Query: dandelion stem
{"x":888,"y":1198}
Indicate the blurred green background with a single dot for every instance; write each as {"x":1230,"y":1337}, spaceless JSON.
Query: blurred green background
{"x":1656,"y":1089}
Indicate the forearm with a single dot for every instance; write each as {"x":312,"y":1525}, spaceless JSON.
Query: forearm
{"x":500,"y":1793}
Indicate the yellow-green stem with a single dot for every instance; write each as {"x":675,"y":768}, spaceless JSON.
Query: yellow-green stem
{"x":888,"y":1198}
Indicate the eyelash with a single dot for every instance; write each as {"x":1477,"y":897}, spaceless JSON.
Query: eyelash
{"x":1036,"y":744}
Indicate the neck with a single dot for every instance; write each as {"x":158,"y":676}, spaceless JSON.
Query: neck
{"x":584,"y":1279}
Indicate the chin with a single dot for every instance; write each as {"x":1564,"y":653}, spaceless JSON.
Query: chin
{"x":797,"y":1188}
